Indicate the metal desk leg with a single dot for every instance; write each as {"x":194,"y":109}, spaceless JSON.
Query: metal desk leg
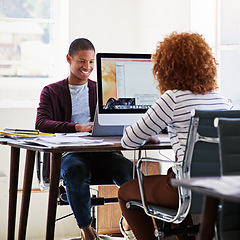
{"x":53,"y":192}
{"x":13,"y":186}
{"x":27,"y":186}
{"x":209,"y":213}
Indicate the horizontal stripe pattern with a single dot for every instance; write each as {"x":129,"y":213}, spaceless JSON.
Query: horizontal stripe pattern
{"x":172,"y":110}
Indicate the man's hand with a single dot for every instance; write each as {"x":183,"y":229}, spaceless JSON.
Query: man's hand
{"x":86,"y":127}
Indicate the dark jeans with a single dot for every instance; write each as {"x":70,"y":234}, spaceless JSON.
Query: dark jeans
{"x":77,"y":170}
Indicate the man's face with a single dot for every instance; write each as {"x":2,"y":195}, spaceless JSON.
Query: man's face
{"x":81,"y":65}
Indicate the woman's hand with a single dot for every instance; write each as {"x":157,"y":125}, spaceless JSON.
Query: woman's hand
{"x":86,"y":127}
{"x":153,"y":139}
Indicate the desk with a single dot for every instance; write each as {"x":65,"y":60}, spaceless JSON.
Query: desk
{"x":54,"y":179}
{"x":211,"y":199}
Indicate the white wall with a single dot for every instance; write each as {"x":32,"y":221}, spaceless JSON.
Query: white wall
{"x":112,"y":26}
{"x":127,"y":25}
{"x":158,"y":18}
{"x":3,"y":206}
{"x":206,"y":10}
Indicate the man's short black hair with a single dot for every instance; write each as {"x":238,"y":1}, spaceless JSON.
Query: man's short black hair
{"x":80,"y":44}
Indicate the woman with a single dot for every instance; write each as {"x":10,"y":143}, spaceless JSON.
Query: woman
{"x":185,"y":70}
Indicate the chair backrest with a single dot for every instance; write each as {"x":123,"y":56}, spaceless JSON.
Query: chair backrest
{"x":229,"y":136}
{"x":201,"y":159}
{"x":202,"y":149}
{"x":229,"y":148}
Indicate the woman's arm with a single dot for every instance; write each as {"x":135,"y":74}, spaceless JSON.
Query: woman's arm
{"x":152,"y":123}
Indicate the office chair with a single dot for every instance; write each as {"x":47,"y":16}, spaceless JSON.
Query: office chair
{"x":43,"y":175}
{"x":201,"y":159}
{"x":229,"y":136}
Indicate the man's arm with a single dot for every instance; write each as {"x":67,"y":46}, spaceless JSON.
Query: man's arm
{"x":52,"y":114}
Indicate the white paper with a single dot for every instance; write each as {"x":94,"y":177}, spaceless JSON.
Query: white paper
{"x":77,"y":134}
{"x":63,"y":141}
{"x":223,"y":185}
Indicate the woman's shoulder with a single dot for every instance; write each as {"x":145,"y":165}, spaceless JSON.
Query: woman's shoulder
{"x":174,"y":93}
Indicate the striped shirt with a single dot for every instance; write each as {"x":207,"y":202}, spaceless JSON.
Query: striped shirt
{"x":172,"y":110}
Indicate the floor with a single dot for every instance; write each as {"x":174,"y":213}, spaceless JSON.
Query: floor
{"x":115,"y":238}
{"x":104,"y":237}
{"x":196,"y":219}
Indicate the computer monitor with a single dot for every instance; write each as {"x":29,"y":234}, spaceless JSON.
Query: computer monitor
{"x":126,"y":87}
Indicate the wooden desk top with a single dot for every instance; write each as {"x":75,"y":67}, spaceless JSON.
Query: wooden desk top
{"x":227,"y":187}
{"x":116,"y":146}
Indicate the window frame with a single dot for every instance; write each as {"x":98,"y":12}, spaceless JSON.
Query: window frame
{"x":15,"y":90}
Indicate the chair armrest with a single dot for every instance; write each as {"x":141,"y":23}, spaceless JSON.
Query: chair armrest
{"x":179,"y":214}
{"x":178,"y":165}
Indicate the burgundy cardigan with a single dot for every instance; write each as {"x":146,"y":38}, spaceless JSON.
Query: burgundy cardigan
{"x":55,"y":107}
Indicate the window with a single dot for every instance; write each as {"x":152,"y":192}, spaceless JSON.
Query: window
{"x":219,"y":22}
{"x":230,"y":49}
{"x":28,"y":33}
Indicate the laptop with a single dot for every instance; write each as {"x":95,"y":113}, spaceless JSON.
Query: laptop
{"x":101,"y":131}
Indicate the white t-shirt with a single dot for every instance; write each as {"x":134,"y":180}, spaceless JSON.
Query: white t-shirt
{"x":80,"y":103}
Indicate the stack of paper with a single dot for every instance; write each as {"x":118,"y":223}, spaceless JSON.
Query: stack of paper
{"x":52,"y":140}
{"x":20,"y":133}
{"x":66,"y":141}
{"x":226,"y":185}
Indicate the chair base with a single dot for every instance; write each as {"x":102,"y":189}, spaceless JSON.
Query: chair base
{"x":95,"y":201}
{"x":164,"y":229}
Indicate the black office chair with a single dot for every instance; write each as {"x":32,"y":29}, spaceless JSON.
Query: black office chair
{"x":43,"y":174}
{"x":229,"y":136}
{"x":201,"y":159}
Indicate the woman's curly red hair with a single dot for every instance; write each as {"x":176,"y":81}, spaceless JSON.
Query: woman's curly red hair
{"x":185,"y":62}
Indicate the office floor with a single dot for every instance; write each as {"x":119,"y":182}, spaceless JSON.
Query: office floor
{"x":101,"y":237}
{"x":114,"y":238}
{"x":104,"y":237}
{"x":196,"y":219}
{"x":78,"y":238}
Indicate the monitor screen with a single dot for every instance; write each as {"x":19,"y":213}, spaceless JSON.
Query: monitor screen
{"x":126,"y":87}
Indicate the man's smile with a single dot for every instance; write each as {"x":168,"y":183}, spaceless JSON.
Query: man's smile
{"x":86,"y":72}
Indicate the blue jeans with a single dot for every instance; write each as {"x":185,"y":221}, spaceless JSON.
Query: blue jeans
{"x":77,"y":170}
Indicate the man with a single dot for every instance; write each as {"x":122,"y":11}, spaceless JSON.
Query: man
{"x":69,"y":106}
